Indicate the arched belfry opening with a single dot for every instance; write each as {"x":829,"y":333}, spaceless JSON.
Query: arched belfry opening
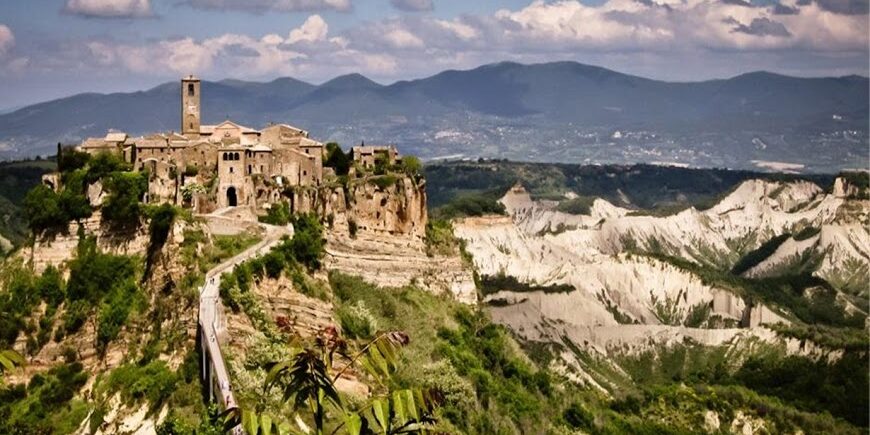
{"x":232,"y":199}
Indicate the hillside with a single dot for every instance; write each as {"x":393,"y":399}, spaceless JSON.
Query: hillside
{"x":560,"y":111}
{"x":603,"y":301}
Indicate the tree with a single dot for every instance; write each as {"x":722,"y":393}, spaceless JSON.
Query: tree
{"x":307,"y":244}
{"x":411,"y":165}
{"x":337,"y":159}
{"x":305,"y":380}
{"x":125,"y":190}
{"x":68,"y":159}
{"x":42,"y":208}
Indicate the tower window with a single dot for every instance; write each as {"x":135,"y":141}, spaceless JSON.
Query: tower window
{"x":190,"y":91}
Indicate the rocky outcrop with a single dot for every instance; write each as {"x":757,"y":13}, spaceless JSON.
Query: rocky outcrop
{"x":379,"y":205}
{"x":56,"y":248}
{"x":376,"y":229}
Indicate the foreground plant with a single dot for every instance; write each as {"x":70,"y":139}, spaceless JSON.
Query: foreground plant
{"x":305,"y":380}
{"x":9,"y":359}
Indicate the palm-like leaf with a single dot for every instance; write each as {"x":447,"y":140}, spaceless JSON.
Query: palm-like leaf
{"x":302,"y":378}
{"x":9,"y":359}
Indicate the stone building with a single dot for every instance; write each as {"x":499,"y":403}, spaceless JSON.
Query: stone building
{"x":366,"y":155}
{"x":228,"y":158}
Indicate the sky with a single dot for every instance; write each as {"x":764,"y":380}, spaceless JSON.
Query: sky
{"x":55,"y":48}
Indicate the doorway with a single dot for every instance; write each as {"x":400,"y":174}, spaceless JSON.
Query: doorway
{"x":232,"y":200}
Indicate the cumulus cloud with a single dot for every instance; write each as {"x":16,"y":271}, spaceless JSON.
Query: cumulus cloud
{"x":412,"y":5}
{"x":790,"y":36}
{"x":109,"y":8}
{"x":313,"y":29}
{"x":259,"y":6}
{"x":7,"y":40}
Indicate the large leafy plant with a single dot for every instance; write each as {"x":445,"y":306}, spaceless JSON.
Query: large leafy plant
{"x":307,"y":380}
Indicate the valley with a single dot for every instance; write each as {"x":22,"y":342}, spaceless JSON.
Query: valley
{"x":535,"y":298}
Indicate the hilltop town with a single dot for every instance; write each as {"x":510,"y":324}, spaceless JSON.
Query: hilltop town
{"x":208,"y":167}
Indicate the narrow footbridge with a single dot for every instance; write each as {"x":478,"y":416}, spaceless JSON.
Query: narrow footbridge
{"x":212,"y":323}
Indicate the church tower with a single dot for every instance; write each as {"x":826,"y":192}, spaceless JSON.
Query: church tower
{"x":190,"y":107}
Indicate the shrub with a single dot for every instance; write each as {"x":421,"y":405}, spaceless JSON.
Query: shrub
{"x":581,"y":205}
{"x":42,"y":209}
{"x":384,"y":181}
{"x":357,"y":321}
{"x":122,"y":206}
{"x":337,"y":159}
{"x":68,"y":159}
{"x":279,"y":214}
{"x":411,"y":165}
{"x":578,"y":417}
{"x":307,"y":244}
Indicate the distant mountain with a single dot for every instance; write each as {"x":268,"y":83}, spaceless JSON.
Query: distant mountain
{"x":562,"y":111}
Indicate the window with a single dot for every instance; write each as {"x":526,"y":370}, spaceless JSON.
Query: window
{"x":190,"y":91}
{"x":224,"y":156}
{"x":231,"y":169}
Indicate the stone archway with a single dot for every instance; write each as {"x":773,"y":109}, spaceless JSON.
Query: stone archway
{"x":232,"y":198}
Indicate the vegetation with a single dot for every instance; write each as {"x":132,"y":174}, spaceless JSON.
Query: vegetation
{"x":469,"y":205}
{"x":647,"y":187}
{"x":46,"y":404}
{"x":439,"y":238}
{"x":126,"y":189}
{"x":580,"y":205}
{"x":755,"y":257}
{"x":337,"y":159}
{"x":278,"y":214}
{"x":494,"y":284}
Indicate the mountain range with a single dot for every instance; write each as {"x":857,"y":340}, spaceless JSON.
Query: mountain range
{"x":562,"y":111}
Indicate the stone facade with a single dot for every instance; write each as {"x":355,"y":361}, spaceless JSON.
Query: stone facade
{"x":226,"y":160}
{"x":366,"y":155}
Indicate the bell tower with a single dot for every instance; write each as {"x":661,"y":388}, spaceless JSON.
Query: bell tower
{"x":190,"y":107}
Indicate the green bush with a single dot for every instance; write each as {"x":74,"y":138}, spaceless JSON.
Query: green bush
{"x":581,"y":205}
{"x":122,"y":206}
{"x":469,"y":205}
{"x":384,"y":181}
{"x":279,"y":214}
{"x":307,"y":245}
{"x":337,"y":159}
{"x":42,"y":209}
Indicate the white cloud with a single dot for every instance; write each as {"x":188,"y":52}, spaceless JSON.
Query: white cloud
{"x":313,"y":29}
{"x":7,"y":40}
{"x":109,"y":8}
{"x":400,"y":37}
{"x":259,"y":6}
{"x":650,"y":37}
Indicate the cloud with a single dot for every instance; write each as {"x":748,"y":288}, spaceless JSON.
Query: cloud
{"x":848,"y":7}
{"x":260,"y":6}
{"x":313,"y":29}
{"x":7,"y":40}
{"x":761,"y":27}
{"x":109,"y":8}
{"x":707,"y":37}
{"x":412,"y":5}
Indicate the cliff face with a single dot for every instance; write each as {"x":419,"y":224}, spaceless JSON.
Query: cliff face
{"x":55,"y":248}
{"x":396,"y":209}
{"x":376,"y":230}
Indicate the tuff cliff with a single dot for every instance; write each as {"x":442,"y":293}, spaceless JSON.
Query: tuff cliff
{"x":376,"y":229}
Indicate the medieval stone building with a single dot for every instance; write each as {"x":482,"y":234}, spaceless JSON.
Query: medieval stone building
{"x":228,"y":163}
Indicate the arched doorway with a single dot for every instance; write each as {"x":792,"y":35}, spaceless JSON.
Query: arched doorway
{"x":232,"y":200}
